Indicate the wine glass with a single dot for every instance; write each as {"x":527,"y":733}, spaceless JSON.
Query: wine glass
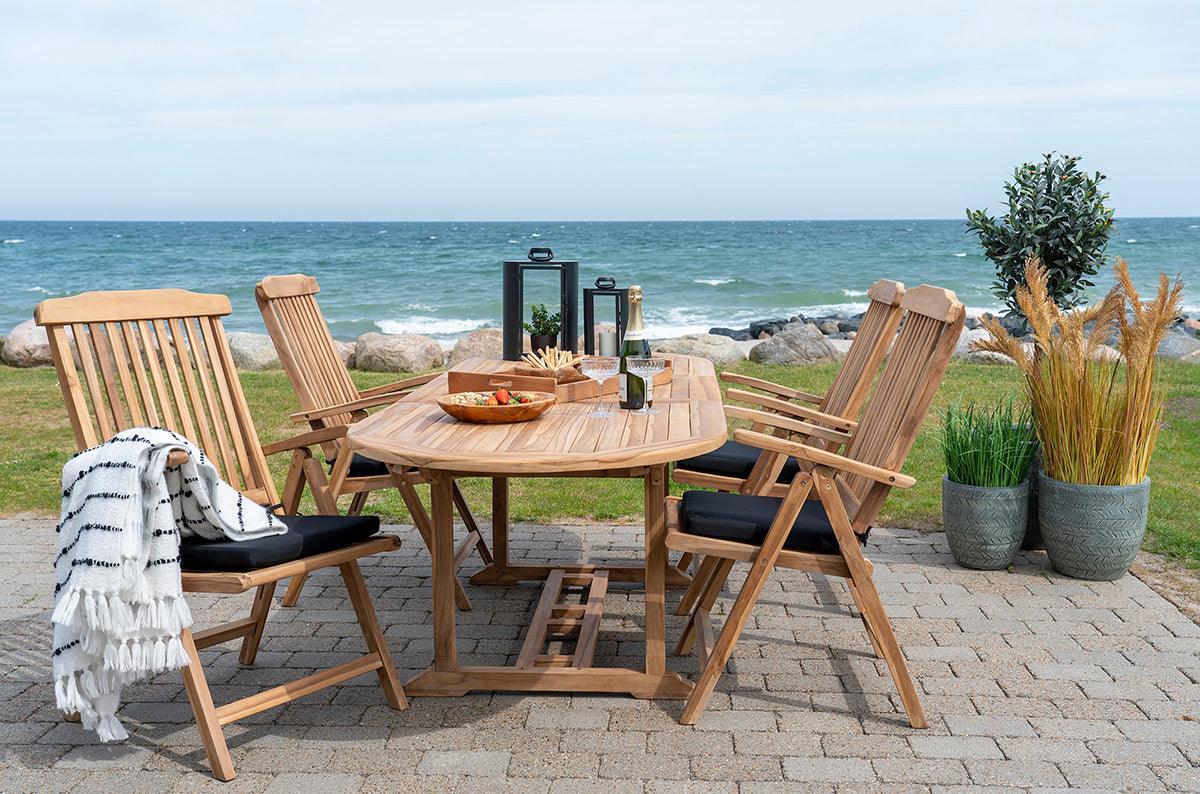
{"x":600,"y":369}
{"x":646,"y":367}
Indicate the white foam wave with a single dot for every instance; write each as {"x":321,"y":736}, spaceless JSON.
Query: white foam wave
{"x":714,"y":282}
{"x":514,"y":241}
{"x":42,"y":290}
{"x":854,"y":293}
{"x":1131,"y":241}
{"x":960,"y":253}
{"x":430,"y":326}
{"x":14,"y":241}
{"x":535,"y":234}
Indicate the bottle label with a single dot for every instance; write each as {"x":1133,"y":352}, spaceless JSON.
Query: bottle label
{"x":622,"y":388}
{"x":638,"y":334}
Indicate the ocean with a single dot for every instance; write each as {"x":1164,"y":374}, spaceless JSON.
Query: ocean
{"x":443,"y":279}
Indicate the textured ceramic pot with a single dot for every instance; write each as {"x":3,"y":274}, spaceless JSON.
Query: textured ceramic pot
{"x":1092,"y":531}
{"x":984,"y":526}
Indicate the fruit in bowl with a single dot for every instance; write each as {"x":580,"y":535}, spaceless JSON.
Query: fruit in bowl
{"x":496,"y":407}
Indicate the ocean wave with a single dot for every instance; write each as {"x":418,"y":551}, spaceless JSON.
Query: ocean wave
{"x":14,"y":241}
{"x":41,"y":290}
{"x":431,"y":326}
{"x":960,"y":254}
{"x":514,"y":241}
{"x":1131,"y":241}
{"x":714,"y":282}
{"x":854,"y":293}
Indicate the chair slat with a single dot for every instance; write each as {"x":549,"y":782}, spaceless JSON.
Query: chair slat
{"x":167,"y":348}
{"x":162,"y":396}
{"x":138,"y":359}
{"x":104,"y":357}
{"x":86,"y":360}
{"x":121,"y":364}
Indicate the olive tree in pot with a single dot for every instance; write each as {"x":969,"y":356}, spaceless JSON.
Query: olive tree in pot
{"x":985,"y":493}
{"x":1097,"y":416}
{"x":543,"y":327}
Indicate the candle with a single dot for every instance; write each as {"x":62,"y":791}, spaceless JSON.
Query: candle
{"x":608,"y":343}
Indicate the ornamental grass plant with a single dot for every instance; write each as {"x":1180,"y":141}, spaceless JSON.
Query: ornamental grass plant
{"x":988,"y":447}
{"x":1098,"y":416}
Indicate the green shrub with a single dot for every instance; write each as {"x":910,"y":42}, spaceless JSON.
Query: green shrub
{"x":1057,"y":214}
{"x":542,"y":322}
{"x":988,"y":447}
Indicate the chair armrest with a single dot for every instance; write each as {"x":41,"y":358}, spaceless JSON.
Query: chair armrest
{"x":820,"y":457}
{"x":176,"y":457}
{"x":793,"y":410}
{"x":772,"y":388}
{"x":838,"y":437}
{"x":400,"y":385}
{"x":347,"y":408}
{"x":305,"y":439}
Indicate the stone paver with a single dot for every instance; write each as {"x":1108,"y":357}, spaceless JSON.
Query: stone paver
{"x":1031,"y":681}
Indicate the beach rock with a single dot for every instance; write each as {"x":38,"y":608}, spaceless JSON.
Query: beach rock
{"x":1104,"y":353}
{"x":841,"y":347}
{"x":484,"y":343}
{"x":27,"y":346}
{"x":986,"y":357}
{"x":769,"y":327}
{"x":966,"y":338}
{"x":828,"y":327}
{"x":375,"y":352}
{"x":718,"y":349}
{"x":1190,"y":322}
{"x":345,"y":351}
{"x":735,"y":335}
{"x":252,"y":351}
{"x":853,"y":324}
{"x":798,"y":343}
{"x":971,"y":323}
{"x":1177,"y":344}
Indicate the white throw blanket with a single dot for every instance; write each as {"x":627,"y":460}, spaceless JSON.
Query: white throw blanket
{"x":118,"y":601}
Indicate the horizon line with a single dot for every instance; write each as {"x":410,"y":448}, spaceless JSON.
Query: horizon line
{"x":540,"y":220}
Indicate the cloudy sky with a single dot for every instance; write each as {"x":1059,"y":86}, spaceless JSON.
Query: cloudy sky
{"x":570,"y":110}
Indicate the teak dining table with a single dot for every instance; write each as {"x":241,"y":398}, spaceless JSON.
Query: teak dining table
{"x":564,"y":442}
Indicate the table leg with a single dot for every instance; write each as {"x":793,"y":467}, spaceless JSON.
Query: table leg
{"x":656,"y":569}
{"x":445,"y":650}
{"x":500,"y":522}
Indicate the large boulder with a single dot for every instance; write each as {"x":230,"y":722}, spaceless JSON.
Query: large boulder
{"x":345,"y":351}
{"x":397,"y":353}
{"x":797,"y":343}
{"x":718,"y":349}
{"x":1179,"y":344}
{"x":252,"y":351}
{"x":27,"y":346}
{"x":966,"y":338}
{"x":484,"y":343}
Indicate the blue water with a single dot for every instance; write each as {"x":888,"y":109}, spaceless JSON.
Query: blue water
{"x":443,"y":279}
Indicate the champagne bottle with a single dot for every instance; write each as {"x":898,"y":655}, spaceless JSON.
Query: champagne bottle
{"x":632,"y":389}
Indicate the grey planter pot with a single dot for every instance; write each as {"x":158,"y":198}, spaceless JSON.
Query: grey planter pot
{"x":542,"y":341}
{"x":1092,"y":531}
{"x":984,"y":526}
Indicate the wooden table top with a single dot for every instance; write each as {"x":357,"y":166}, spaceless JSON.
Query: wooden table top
{"x":416,"y":432}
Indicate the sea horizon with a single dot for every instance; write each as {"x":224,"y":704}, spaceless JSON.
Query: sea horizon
{"x":442,"y":278}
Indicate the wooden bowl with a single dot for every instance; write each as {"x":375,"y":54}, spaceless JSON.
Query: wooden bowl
{"x":500,"y":414}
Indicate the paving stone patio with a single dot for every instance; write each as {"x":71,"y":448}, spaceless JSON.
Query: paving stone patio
{"x":1031,"y":682}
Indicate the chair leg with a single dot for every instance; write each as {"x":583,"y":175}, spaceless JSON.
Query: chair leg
{"x":357,"y":502}
{"x":685,"y":561}
{"x":875,"y":616}
{"x":734,"y":623}
{"x":708,"y":597}
{"x":262,"y":606}
{"x":292,"y":594}
{"x":862,"y":614}
{"x":293,"y":486}
{"x":420,"y":519}
{"x":206,"y":713}
{"x":318,"y":484}
{"x":368,"y":621}
{"x":699,"y":581}
{"x":464,"y":512}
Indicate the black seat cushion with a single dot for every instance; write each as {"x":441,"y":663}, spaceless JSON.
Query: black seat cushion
{"x":306,"y":536}
{"x":733,"y":459}
{"x":746,"y":519}
{"x":362,"y":466}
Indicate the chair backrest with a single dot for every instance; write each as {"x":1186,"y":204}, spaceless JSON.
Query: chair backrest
{"x":933,"y":319}
{"x":306,"y":349}
{"x":878,"y":330}
{"x":160,"y":358}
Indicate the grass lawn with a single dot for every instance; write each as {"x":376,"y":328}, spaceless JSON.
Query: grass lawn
{"x":35,"y":440}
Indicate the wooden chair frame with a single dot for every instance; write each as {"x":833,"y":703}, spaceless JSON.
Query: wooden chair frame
{"x":851,"y":487}
{"x":161,"y":357}
{"x":329,"y":399}
{"x":828,"y":424}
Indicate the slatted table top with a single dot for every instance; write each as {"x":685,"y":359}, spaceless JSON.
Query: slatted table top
{"x":416,"y":432}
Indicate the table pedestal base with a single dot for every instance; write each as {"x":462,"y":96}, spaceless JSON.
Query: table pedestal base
{"x":612,"y":680}
{"x":493,"y":574}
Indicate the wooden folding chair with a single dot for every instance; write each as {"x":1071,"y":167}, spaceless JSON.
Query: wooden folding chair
{"x":329,"y":399}
{"x":160,"y":357}
{"x":742,"y":468}
{"x":821,"y":521}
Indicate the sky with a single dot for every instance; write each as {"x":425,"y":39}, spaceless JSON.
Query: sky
{"x":586,"y":111}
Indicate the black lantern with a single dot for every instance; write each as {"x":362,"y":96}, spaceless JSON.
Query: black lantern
{"x":605,"y":286}
{"x":514,"y":299}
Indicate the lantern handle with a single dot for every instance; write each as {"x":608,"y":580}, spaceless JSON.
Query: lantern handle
{"x":540,"y":254}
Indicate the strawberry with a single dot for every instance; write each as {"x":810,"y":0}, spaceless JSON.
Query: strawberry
{"x":523,"y":399}
{"x":502,"y":396}
{"x":491,"y":401}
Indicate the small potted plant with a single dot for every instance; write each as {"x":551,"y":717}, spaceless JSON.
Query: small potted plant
{"x":543,"y":327}
{"x":1098,"y":416}
{"x":985,"y":493}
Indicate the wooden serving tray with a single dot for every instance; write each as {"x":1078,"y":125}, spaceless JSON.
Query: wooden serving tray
{"x":566,"y":392}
